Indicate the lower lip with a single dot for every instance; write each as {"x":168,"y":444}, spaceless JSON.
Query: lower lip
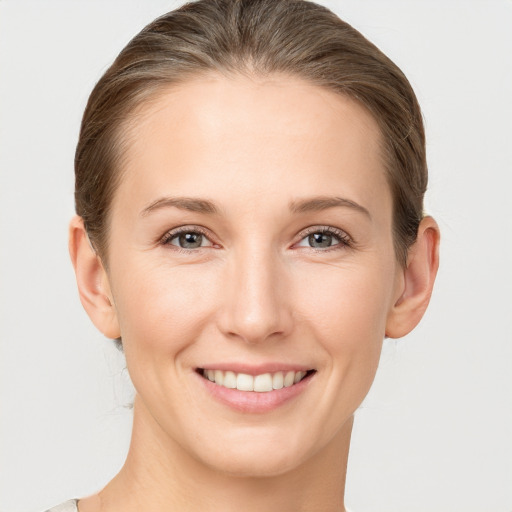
{"x":254,"y":401}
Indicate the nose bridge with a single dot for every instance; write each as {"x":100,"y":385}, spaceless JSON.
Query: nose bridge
{"x":256,"y":306}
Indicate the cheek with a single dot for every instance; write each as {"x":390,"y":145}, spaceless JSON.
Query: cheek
{"x":353,"y":300}
{"x":347,"y":310}
{"x":162,"y":307}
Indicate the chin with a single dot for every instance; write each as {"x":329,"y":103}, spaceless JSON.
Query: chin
{"x":249,"y":465}
{"x":259,"y":455}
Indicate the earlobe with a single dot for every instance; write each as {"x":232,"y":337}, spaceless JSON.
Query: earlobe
{"x":92,"y":280}
{"x":418,"y":281}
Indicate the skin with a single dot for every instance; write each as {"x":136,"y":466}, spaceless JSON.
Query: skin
{"x":256,"y":291}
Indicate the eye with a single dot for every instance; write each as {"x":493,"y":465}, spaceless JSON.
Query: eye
{"x":187,"y":238}
{"x":324,"y":238}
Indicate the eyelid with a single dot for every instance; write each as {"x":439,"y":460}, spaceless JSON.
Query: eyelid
{"x":344,"y":238}
{"x":190,"y":228}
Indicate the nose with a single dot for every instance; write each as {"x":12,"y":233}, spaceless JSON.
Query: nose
{"x":256,"y":305}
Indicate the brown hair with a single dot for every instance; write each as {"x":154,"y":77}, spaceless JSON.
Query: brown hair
{"x":294,"y":37}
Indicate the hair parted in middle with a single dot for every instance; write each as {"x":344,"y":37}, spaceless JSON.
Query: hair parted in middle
{"x":257,"y":38}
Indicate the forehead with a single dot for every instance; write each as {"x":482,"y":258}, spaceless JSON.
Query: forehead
{"x":263,"y":134}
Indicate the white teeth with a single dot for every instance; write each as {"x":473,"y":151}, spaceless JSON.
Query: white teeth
{"x":245,"y":382}
{"x":288,"y":379}
{"x":278,"y":380}
{"x":230,"y":380}
{"x":260,"y":383}
{"x":263,"y":382}
{"x":298,"y":377}
{"x":219,"y":377}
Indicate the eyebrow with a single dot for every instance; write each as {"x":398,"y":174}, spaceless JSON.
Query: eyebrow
{"x":191,"y":204}
{"x":314,"y":204}
{"x":320,"y":203}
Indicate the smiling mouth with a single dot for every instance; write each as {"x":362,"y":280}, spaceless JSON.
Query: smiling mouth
{"x":262,"y":383}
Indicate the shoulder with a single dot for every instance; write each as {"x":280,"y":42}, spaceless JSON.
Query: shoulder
{"x":68,"y":506}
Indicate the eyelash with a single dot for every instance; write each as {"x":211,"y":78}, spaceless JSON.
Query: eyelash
{"x":171,"y":235}
{"x":345,"y":241}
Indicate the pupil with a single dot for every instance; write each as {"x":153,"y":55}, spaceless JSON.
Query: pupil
{"x":191,"y":240}
{"x":320,"y":240}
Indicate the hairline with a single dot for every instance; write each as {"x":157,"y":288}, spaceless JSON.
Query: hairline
{"x":149,"y":96}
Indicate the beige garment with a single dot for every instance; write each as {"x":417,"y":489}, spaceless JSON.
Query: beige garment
{"x":68,"y":506}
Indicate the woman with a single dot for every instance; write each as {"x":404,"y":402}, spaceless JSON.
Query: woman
{"x":249,"y":193}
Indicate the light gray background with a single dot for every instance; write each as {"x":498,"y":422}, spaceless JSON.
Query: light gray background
{"x":435,"y":434}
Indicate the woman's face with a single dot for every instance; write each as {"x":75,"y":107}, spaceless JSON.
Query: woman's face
{"x":251,"y":240}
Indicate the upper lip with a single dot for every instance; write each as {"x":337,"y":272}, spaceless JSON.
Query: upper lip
{"x":256,"y":369}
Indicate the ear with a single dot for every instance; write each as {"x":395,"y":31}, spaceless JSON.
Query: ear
{"x":417,"y":281}
{"x":92,"y":280}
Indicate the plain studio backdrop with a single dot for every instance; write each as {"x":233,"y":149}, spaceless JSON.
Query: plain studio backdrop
{"x":435,"y":433}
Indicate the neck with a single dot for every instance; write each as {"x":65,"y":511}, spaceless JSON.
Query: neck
{"x":160,"y":475}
